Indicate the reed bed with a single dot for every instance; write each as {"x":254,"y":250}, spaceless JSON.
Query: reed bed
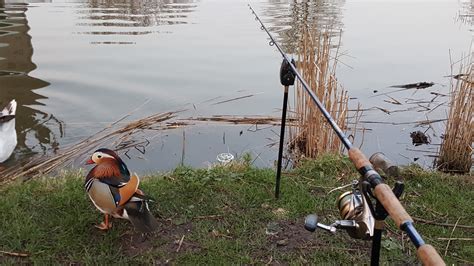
{"x":312,"y":135}
{"x":126,"y":136}
{"x":455,"y":154}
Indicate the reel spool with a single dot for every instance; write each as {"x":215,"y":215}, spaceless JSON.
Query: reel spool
{"x":353,"y":206}
{"x":350,"y":205}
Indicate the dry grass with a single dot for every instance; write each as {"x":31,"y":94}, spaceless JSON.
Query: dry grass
{"x":312,"y":135}
{"x":113,"y":136}
{"x":455,"y":154}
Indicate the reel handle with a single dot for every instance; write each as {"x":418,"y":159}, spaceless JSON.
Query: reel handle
{"x":311,"y":224}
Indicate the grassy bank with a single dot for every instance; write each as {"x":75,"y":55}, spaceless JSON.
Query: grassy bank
{"x":221,"y":215}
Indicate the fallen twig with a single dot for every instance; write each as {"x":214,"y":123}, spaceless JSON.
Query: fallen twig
{"x":216,"y":233}
{"x":435,"y":107}
{"x":438,"y":94}
{"x":234,"y":99}
{"x":449,"y":241}
{"x":256,"y":119}
{"x":383,"y":110}
{"x":417,"y":123}
{"x":360,"y":249}
{"x":15,"y":254}
{"x":441,"y":224}
{"x":456,"y":238}
{"x":338,"y":188}
{"x":208,"y":217}
{"x":424,"y":151}
{"x":393,"y":101}
{"x":180,"y":243}
{"x":457,"y":76}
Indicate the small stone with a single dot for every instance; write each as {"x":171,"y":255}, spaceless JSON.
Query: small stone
{"x":215,"y":233}
{"x":282,"y":242}
{"x":280,"y":212}
{"x":272,"y":229}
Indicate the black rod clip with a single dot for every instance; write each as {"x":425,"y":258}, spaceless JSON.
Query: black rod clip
{"x":287,"y":75}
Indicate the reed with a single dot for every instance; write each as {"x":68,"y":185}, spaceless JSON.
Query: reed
{"x":127,"y":136}
{"x":233,"y":119}
{"x":456,"y":151}
{"x":311,"y":135}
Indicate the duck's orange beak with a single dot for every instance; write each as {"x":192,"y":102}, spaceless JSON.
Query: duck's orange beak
{"x":90,"y":161}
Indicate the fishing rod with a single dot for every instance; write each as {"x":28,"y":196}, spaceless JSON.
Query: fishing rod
{"x":381,"y":191}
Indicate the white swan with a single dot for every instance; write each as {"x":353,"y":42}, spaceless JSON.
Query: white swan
{"x":8,"y":139}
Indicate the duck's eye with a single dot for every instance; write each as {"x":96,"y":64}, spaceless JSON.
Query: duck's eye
{"x":99,"y":156}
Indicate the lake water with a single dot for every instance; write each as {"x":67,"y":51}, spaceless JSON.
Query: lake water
{"x":76,"y":66}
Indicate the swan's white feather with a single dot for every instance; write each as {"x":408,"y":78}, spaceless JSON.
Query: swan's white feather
{"x":8,"y":138}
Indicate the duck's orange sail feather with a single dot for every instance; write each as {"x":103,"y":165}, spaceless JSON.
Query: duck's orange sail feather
{"x":126,"y":192}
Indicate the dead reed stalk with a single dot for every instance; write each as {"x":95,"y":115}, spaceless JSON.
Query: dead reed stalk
{"x":111,"y":136}
{"x":312,"y":135}
{"x":247,"y":119}
{"x":455,"y":153}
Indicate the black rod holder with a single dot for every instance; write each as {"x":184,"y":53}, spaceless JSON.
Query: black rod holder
{"x":282,"y":141}
{"x":376,"y":243}
{"x":287,"y":78}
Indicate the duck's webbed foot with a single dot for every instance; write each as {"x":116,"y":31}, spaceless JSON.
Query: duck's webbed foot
{"x":105,"y":225}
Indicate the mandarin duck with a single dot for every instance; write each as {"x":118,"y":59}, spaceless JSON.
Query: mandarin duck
{"x":115,"y":192}
{"x":8,"y":139}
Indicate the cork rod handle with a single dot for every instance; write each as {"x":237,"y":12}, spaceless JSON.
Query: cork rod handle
{"x":429,"y":256}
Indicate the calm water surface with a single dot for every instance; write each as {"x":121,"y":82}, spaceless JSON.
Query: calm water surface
{"x":75,"y":66}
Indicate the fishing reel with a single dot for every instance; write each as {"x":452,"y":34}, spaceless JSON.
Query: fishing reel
{"x":360,"y":216}
{"x":356,"y":212}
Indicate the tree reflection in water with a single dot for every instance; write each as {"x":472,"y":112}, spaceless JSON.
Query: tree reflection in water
{"x":125,"y":17}
{"x":288,"y":19}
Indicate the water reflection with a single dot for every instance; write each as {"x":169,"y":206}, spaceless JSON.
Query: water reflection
{"x":288,"y":19}
{"x":125,"y":17}
{"x":466,"y":14}
{"x":16,"y":52}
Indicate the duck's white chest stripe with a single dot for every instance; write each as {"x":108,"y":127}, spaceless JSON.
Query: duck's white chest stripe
{"x":88,"y":184}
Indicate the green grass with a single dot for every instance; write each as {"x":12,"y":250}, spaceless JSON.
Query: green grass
{"x":223,"y":214}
